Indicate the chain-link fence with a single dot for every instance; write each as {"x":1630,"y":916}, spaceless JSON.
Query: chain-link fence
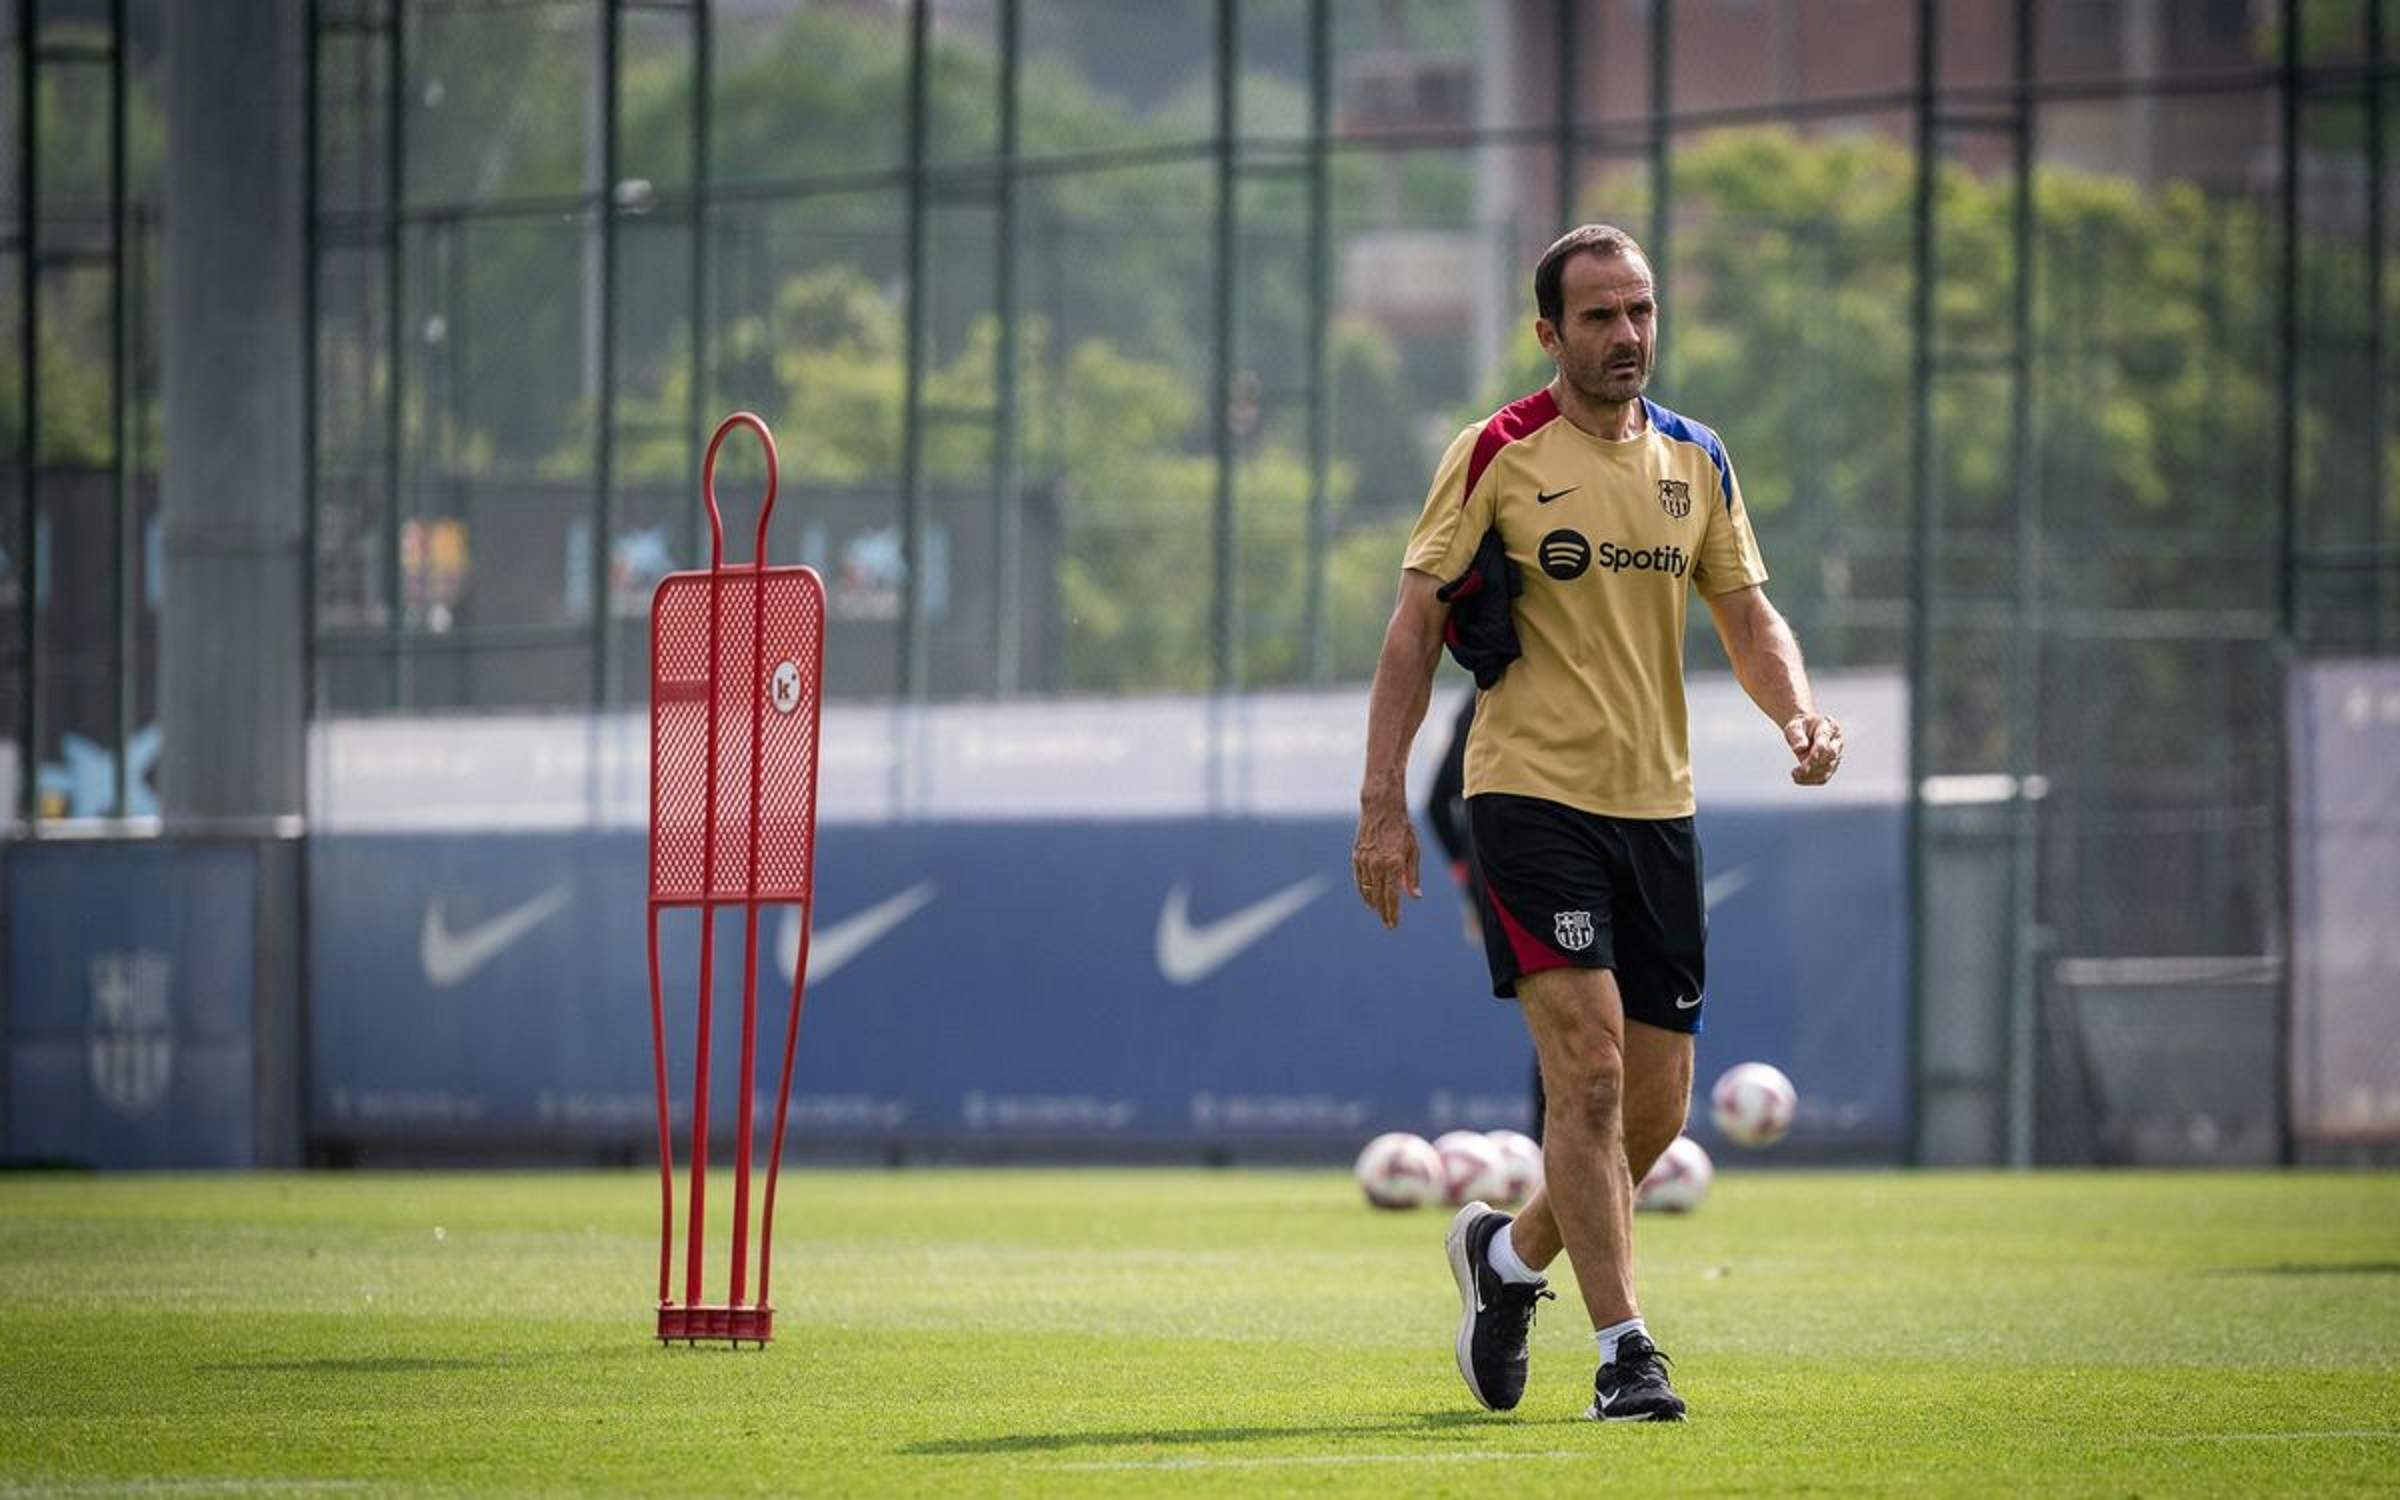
{"x":1110,"y":347}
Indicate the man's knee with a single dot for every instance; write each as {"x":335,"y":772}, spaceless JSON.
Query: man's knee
{"x":1658,"y":1087}
{"x":1653,"y":1118}
{"x":1588,"y":1082}
{"x":1656,"y":1114}
{"x":1579,"y":1030}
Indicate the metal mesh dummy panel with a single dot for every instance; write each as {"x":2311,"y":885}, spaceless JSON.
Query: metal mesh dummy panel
{"x":781,"y":684}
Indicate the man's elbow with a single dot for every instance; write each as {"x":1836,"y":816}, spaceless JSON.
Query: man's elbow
{"x":1416,"y":624}
{"x":1410,"y":643}
{"x":1737,"y":629}
{"x":1757,"y":623}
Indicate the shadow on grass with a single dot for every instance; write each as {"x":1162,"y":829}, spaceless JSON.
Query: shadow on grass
{"x":2315,"y":1268}
{"x":420,"y":1364}
{"x":359,"y":1365}
{"x":640,"y":1347}
{"x":1423,"y":1424}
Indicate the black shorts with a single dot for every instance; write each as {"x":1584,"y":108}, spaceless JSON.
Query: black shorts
{"x":1564,"y":888}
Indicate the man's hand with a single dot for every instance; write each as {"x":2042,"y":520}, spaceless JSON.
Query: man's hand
{"x":1384,"y":859}
{"x":1816,"y":741}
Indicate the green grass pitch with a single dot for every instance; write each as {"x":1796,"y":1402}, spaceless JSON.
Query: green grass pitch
{"x":1089,"y":1332}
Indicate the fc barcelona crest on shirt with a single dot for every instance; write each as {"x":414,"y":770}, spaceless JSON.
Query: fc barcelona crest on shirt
{"x":1675,"y":497}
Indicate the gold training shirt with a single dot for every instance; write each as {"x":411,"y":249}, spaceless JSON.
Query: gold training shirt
{"x":1609,"y":536}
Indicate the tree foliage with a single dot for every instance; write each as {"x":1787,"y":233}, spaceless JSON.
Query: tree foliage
{"x":1786,"y":324}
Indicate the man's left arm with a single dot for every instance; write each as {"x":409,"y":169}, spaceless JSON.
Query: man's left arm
{"x":1766,"y":660}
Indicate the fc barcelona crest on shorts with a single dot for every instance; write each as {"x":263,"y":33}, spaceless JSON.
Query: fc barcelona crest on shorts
{"x":1675,"y":498}
{"x":1573,"y":930}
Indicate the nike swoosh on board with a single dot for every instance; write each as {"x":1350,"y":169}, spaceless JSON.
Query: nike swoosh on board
{"x":1724,"y":887}
{"x":450,"y":959}
{"x":834,"y":946}
{"x":1188,"y":954}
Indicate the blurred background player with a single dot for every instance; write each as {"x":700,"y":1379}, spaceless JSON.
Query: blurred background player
{"x":1578,"y":780}
{"x":1446,"y":814}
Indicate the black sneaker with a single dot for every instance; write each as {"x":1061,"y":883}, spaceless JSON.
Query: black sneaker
{"x":1633,"y":1387}
{"x":1495,"y":1316}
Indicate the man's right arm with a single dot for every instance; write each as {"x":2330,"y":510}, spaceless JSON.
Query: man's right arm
{"x":1384,"y":858}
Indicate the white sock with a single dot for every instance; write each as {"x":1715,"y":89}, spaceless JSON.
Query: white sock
{"x":1501,"y":1255}
{"x":1607,"y":1337}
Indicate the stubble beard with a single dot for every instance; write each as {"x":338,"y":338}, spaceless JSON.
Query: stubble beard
{"x":1595,"y":384}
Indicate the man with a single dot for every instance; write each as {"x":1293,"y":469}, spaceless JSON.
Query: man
{"x":1446,"y":812}
{"x":1579,"y":791}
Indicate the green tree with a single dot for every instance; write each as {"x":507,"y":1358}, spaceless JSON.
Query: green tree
{"x":1786,"y":324}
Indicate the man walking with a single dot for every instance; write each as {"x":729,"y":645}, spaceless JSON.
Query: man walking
{"x":1608,"y":507}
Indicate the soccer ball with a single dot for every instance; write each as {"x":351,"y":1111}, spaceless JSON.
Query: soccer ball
{"x":1398,"y":1170}
{"x":1471,"y":1167}
{"x":1752,"y":1104}
{"x":1678,"y":1180}
{"x":1520,"y":1166}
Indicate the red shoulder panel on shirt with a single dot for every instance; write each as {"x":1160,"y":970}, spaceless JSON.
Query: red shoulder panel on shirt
{"x":1519,"y":419}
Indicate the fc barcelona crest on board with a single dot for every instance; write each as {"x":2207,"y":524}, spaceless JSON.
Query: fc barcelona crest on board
{"x":130,"y":1034}
{"x":1675,"y":498}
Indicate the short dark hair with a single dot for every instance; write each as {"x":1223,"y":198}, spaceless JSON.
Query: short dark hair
{"x":1597,"y":239}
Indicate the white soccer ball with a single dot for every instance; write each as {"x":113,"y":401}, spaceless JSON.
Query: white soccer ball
{"x":1399,"y":1170}
{"x":1520,"y":1166}
{"x":1752,"y":1104}
{"x":1678,"y":1180}
{"x":1471,"y":1167}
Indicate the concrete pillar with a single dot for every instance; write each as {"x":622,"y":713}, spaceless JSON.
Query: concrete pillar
{"x":1500,"y":232}
{"x":2144,"y":28}
{"x":232,"y":658}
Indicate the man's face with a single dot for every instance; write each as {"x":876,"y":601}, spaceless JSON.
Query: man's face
{"x":1607,"y":335}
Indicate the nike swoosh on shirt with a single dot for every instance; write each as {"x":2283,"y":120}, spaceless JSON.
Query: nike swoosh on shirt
{"x":1544,"y":497}
{"x":1724,"y":887}
{"x":1189,"y":954}
{"x":834,"y":946}
{"x":451,"y":958}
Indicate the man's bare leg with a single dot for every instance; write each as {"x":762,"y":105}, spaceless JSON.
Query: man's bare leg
{"x":1598,"y":1122}
{"x":1578,"y":1024}
{"x":1580,"y":1033}
{"x":1657,"y":1091}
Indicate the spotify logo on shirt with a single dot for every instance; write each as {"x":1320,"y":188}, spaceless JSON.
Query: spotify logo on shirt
{"x":1565,"y":554}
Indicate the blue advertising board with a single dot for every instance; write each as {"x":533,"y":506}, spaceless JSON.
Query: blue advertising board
{"x":131,"y":992}
{"x":1191,"y":983}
